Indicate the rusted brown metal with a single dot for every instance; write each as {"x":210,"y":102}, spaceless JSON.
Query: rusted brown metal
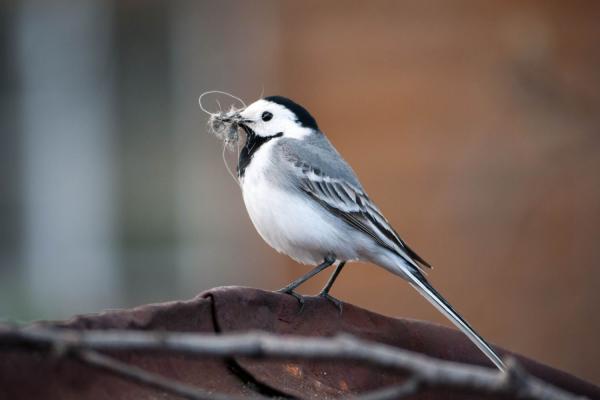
{"x":31,"y":375}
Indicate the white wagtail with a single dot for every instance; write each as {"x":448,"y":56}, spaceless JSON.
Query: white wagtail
{"x":306,"y":202}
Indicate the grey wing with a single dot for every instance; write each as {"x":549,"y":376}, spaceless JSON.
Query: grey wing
{"x":318,"y":154}
{"x":334,"y":185}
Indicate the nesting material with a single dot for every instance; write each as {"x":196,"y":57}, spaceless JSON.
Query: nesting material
{"x":224,"y":124}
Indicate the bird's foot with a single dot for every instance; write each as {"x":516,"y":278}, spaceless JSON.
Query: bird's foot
{"x":297,"y":296}
{"x":338,"y":303}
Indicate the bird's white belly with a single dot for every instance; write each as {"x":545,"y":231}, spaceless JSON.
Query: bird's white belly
{"x":290,"y":223}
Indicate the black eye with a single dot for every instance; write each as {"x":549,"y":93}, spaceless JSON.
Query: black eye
{"x":266,"y":116}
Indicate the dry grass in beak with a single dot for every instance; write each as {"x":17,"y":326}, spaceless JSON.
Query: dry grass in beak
{"x":224,"y":124}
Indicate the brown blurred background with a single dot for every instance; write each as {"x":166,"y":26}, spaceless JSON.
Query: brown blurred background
{"x":473,"y":125}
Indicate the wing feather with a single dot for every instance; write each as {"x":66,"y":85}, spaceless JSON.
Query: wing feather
{"x":352,"y":205}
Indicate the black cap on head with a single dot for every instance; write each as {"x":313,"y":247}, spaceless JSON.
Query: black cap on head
{"x":302,"y":114}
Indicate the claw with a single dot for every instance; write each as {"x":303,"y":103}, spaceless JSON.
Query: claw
{"x":338,"y":303}
{"x":297,"y":296}
{"x":289,"y":289}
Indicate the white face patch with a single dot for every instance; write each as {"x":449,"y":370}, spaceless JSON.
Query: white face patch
{"x":266,"y":119}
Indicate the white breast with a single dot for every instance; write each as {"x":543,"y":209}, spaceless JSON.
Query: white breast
{"x":289,"y":222}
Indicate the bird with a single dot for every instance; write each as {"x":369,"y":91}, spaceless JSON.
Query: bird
{"x":306,"y":202}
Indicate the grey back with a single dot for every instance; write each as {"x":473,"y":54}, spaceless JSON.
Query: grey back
{"x":316,"y":152}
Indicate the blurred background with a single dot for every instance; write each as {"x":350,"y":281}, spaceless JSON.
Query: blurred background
{"x":473,"y":125}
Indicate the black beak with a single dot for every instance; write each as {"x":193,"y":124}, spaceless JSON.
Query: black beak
{"x":243,"y":124}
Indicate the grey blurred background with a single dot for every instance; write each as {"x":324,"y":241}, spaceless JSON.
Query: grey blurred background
{"x":474,"y":126}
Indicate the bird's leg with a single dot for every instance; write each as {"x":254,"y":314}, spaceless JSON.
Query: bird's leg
{"x":332,"y":278}
{"x":325,"y":291}
{"x":289,"y":289}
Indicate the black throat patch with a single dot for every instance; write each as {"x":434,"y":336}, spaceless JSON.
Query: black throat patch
{"x":253,"y":143}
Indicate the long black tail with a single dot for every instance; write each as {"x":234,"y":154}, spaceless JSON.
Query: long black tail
{"x":419,"y":282}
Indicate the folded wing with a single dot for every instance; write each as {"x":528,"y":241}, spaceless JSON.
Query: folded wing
{"x":352,"y":204}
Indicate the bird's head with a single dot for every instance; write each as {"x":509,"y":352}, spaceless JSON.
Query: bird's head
{"x":277,"y":116}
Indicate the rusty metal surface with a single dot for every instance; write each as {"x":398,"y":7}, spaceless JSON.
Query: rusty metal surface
{"x":33,"y":375}
{"x":28,"y":375}
{"x":269,"y":311}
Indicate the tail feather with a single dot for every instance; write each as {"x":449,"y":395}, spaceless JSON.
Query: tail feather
{"x":435,"y":298}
